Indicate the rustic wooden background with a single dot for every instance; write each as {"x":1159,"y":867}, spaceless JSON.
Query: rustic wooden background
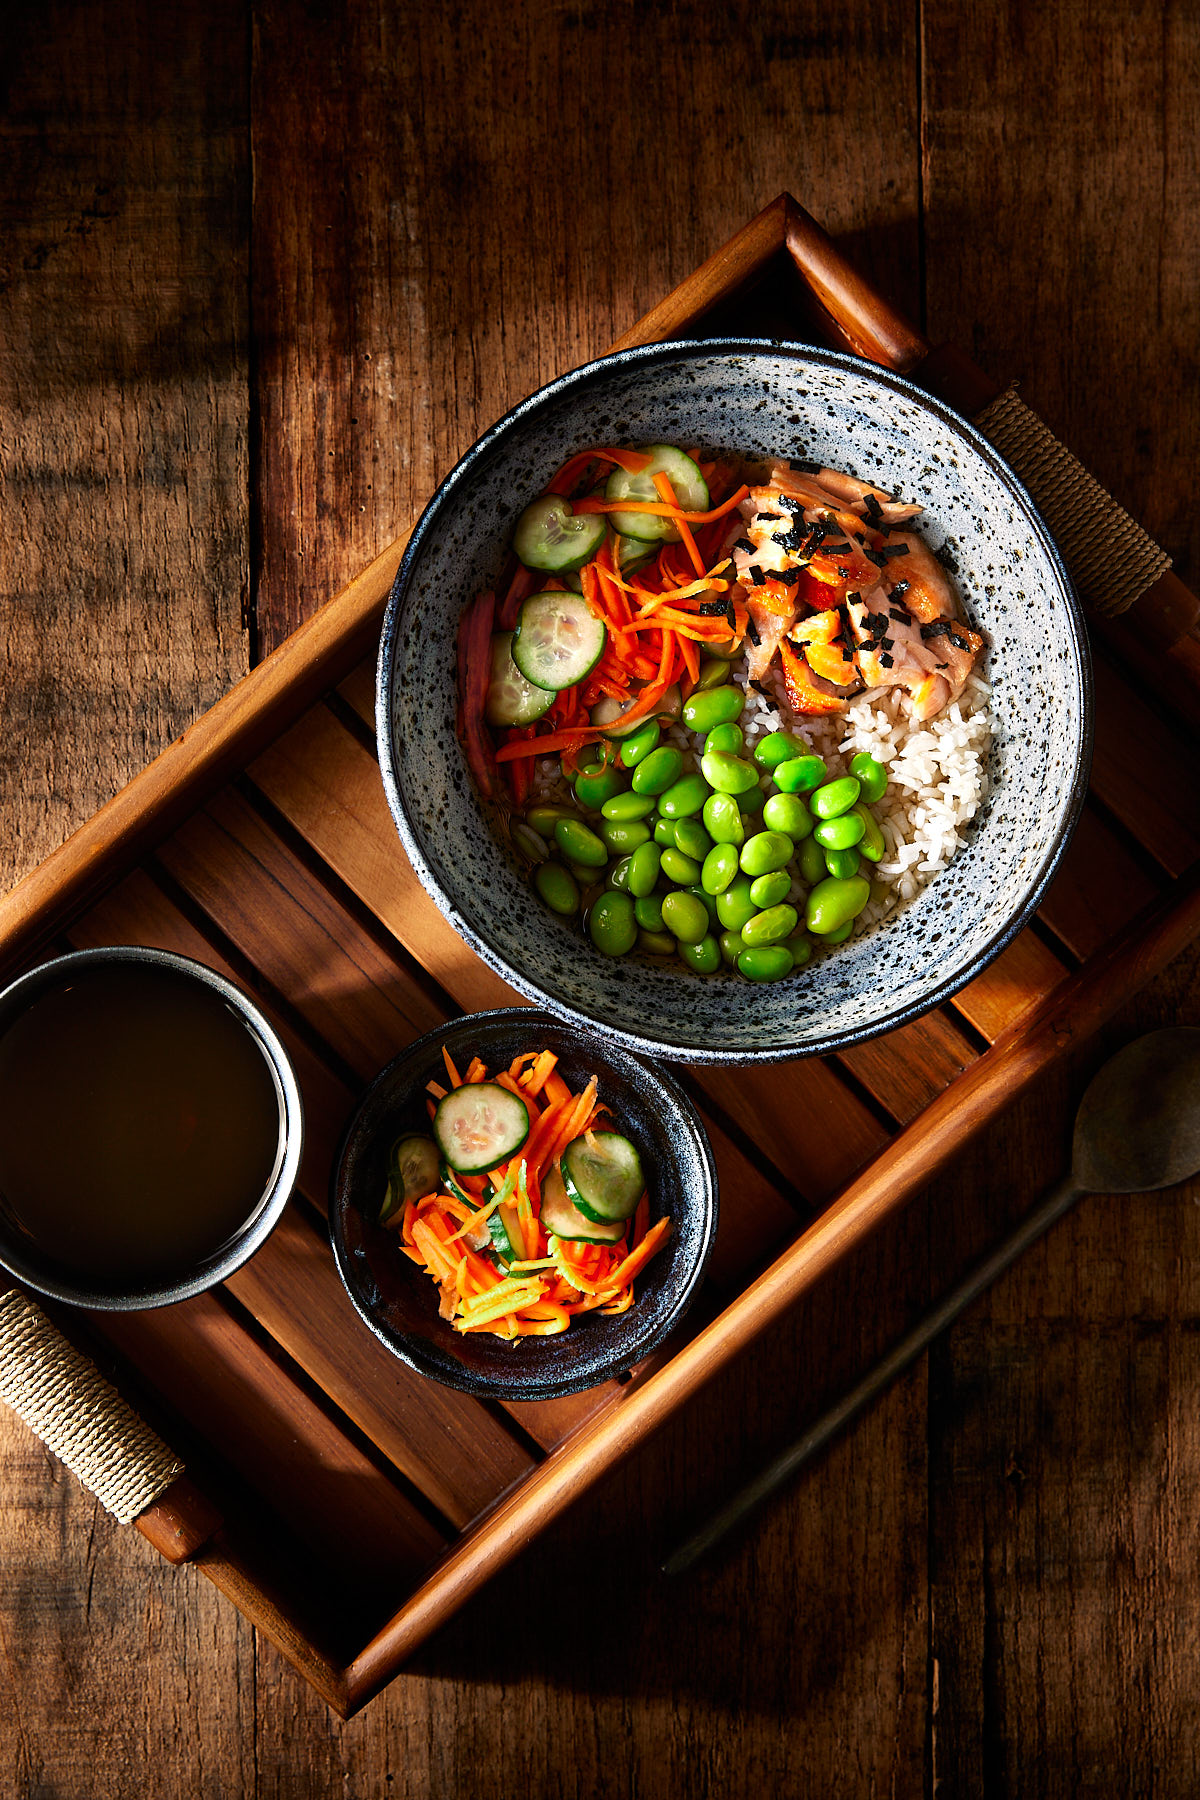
{"x":265,"y":271}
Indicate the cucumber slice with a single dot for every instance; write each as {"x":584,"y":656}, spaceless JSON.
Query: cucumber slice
{"x":558,"y":640}
{"x":607,"y":715}
{"x":511,"y":700}
{"x":413,"y":1172}
{"x":504,"y":1230}
{"x":479,"y":1125}
{"x":602,"y":1173}
{"x":691,"y":490}
{"x":550,"y":536}
{"x":561,"y":1217}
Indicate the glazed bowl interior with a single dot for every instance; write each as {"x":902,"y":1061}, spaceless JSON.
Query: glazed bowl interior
{"x":759,"y":400}
{"x":400,"y":1302}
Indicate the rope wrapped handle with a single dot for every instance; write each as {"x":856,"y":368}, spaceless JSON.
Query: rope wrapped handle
{"x":67,"y":1403}
{"x":1112,"y":560}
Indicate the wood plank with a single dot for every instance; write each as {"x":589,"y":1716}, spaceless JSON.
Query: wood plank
{"x":328,"y":787}
{"x":1143,"y":787}
{"x":445,"y":1442}
{"x":227,"y":1387}
{"x":803,"y":1116}
{"x":1014,"y":983}
{"x":1098,"y":889}
{"x":365,"y":1003}
{"x":909,"y":1067}
{"x":124,"y":402}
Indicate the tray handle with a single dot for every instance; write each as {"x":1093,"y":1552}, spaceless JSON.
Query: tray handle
{"x":66,"y":1402}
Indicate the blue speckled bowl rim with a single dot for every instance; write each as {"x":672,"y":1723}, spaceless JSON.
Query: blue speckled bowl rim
{"x":645,"y":355}
{"x":641,"y":1341}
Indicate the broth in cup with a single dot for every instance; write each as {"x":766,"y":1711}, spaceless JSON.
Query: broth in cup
{"x":149,"y":1128}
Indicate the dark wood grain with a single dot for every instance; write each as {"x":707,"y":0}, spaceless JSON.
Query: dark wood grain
{"x":989,"y":1585}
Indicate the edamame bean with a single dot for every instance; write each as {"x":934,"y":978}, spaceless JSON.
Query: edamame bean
{"x":841,"y":833}
{"x":592,"y":791}
{"x":714,"y":672}
{"x":623,"y":835}
{"x":643,"y":873}
{"x":579,"y":844}
{"x":627,"y":806}
{"x":583,"y":872}
{"x":655,"y":773}
{"x":589,"y":760}
{"x":656,"y":943}
{"x":811,"y":859}
{"x":647,"y":910}
{"x":800,"y":775}
{"x":638,"y":745}
{"x":765,"y":851}
{"x":681,"y":869}
{"x":713,"y":706}
{"x":787,"y":812}
{"x":704,"y":957}
{"x":771,"y":926}
{"x":664,"y":832}
{"x":836,"y":797}
{"x":612,"y":926}
{"x":730,"y":740}
{"x":872,"y":845}
{"x":720,"y":868}
{"x":834,"y":903}
{"x":692,"y":839}
{"x":723,"y":819}
{"x":557,"y":888}
{"x":708,"y":902}
{"x":685,"y":797}
{"x":872,"y":776}
{"x":780,"y":747}
{"x":765,"y":962}
{"x":841,"y":934}
{"x":728,"y":774}
{"x":842,"y":863}
{"x":800,"y":947}
{"x":618,"y":875}
{"x":735,"y":906}
{"x":685,"y":917}
{"x":731,"y":946}
{"x":752,"y":801}
{"x":543,"y":819}
{"x":769,"y":890}
{"x":528,"y":842}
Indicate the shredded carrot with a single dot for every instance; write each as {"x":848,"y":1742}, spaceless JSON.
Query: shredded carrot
{"x":545,"y":746}
{"x":660,"y":509}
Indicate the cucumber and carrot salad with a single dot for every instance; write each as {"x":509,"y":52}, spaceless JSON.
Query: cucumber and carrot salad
{"x":524,"y":1202}
{"x":620,"y":582}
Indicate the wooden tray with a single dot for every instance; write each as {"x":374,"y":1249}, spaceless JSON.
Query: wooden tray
{"x":346,"y":1505}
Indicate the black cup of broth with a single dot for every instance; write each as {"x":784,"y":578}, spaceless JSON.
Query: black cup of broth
{"x":150,"y":1128}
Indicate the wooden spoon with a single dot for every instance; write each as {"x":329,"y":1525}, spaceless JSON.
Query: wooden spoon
{"x":1137,"y":1129}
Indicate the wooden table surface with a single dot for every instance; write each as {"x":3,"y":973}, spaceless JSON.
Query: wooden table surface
{"x":266,"y":271}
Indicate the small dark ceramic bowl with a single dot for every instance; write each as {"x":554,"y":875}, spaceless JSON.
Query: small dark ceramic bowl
{"x":760,"y":400}
{"x":400,"y":1302}
{"x":36,"y":1269}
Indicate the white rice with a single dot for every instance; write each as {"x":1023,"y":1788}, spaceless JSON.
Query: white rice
{"x":937,"y":774}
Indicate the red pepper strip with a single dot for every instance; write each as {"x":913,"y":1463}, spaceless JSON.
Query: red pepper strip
{"x":546,"y":746}
{"x":662,"y":484}
{"x":519,"y":588}
{"x":660,"y":509}
{"x":474,"y":675}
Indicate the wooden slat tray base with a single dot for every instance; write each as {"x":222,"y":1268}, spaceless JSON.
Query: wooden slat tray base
{"x":262,"y":845}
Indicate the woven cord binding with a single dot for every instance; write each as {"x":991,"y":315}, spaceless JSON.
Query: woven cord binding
{"x":1112,"y":561}
{"x":64,"y":1399}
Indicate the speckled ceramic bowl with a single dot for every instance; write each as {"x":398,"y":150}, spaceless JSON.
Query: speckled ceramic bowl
{"x":759,"y":399}
{"x":400,"y":1303}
